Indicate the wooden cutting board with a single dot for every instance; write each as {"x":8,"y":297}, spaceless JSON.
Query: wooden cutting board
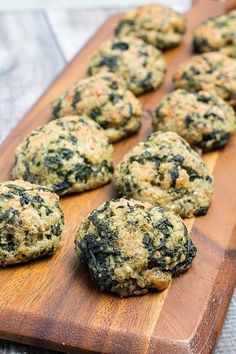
{"x":52,"y":303}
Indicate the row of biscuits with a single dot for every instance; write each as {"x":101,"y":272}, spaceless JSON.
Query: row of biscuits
{"x":135,"y":244}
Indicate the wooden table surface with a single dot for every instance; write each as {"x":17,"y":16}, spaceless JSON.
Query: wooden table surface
{"x":40,"y":44}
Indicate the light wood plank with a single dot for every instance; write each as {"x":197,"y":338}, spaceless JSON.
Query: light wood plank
{"x":74,"y":28}
{"x":91,"y":4}
{"x":36,"y":61}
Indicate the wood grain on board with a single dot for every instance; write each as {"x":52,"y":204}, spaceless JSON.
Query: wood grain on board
{"x":53,"y":303}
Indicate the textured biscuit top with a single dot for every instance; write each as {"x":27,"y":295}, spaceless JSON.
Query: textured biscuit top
{"x":131,"y":246}
{"x":217,"y":33}
{"x":213,"y":72}
{"x":165,"y":171}
{"x":203,"y":119}
{"x":156,"y":24}
{"x":141,"y":65}
{"x":31,"y":222}
{"x":70,"y":154}
{"x":105,"y":99}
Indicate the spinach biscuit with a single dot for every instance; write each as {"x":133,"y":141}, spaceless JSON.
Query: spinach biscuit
{"x":217,"y":33}
{"x":31,"y":222}
{"x":156,"y":24}
{"x":202,"y":118}
{"x":213,"y":72}
{"x":105,"y":99}
{"x":141,"y":65}
{"x":165,"y":171}
{"x":131,"y":246}
{"x":70,"y":154}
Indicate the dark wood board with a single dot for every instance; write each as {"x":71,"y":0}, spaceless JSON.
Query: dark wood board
{"x":52,"y":303}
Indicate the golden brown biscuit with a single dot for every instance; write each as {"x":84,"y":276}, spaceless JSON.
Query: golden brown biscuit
{"x":217,"y":33}
{"x":31,"y":222}
{"x":131,"y":247}
{"x":156,"y":24}
{"x":105,"y":99}
{"x":203,"y":119}
{"x":213,"y":72}
{"x":70,"y":154}
{"x":141,"y":65}
{"x":165,"y":171}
